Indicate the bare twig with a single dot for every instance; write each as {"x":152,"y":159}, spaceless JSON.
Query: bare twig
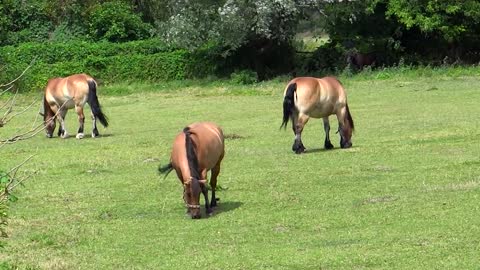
{"x":6,"y":90}
{"x":7,"y":119}
{"x":21,"y":75}
{"x":9,"y":100}
{"x":23,"y":136}
{"x":30,"y":133}
{"x":13,"y":182}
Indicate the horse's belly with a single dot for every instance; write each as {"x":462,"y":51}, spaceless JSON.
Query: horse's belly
{"x":321,"y":111}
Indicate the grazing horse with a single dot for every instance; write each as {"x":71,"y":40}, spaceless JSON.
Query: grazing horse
{"x":360,"y":60}
{"x":306,"y":97}
{"x":196,"y":150}
{"x":70,"y":92}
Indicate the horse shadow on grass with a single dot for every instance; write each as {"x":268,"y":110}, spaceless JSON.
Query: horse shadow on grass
{"x":223,"y":207}
{"x":316,"y":150}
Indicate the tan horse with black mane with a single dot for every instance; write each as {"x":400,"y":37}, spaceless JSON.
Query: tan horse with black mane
{"x":306,"y":97}
{"x":196,"y":150}
{"x":70,"y":92}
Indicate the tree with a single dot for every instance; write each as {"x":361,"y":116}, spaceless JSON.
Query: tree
{"x":116,"y":22}
{"x":253,"y":28}
{"x":451,"y":18}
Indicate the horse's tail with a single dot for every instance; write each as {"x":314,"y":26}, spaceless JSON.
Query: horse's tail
{"x":165,"y":169}
{"x":191,"y":154}
{"x":348,"y":117}
{"x":288,"y":103}
{"x":94,"y":104}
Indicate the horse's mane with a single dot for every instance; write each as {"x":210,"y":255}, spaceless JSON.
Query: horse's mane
{"x":349,"y":118}
{"x":47,"y":111}
{"x":191,"y":154}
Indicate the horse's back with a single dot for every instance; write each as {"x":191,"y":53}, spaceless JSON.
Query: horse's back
{"x":318,"y":97}
{"x":208,"y":133}
{"x":209,"y":141}
{"x":72,"y":89}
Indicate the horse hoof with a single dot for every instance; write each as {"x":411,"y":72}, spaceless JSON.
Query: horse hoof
{"x":64,"y":135}
{"x":300,"y":150}
{"x":94,"y":135}
{"x":80,"y":136}
{"x":328,"y":146}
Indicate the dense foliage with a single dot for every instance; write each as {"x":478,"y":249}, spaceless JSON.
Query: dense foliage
{"x":231,"y":36}
{"x":149,"y":60}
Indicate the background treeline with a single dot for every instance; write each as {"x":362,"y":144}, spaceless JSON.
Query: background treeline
{"x":156,"y":40}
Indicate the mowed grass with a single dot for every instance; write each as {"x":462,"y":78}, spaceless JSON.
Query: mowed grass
{"x":406,"y":196}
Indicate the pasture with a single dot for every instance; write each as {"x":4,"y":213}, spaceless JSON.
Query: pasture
{"x":405,"y":196}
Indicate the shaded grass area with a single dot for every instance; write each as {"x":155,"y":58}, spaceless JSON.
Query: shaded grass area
{"x":405,"y":196}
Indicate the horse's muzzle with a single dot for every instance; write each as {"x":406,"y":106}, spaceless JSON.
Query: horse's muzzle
{"x":346,"y":145}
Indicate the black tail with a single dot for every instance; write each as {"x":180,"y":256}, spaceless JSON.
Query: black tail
{"x":166,"y":169}
{"x":288,"y":104}
{"x":349,"y":118}
{"x":94,"y":104}
{"x":191,"y":154}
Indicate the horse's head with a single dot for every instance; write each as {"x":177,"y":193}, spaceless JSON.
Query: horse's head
{"x":191,"y":196}
{"x":346,"y":130}
{"x":48,"y":118}
{"x":346,"y":137}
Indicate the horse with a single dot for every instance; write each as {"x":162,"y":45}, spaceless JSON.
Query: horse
{"x":62,"y":94}
{"x":306,"y":97}
{"x":360,"y":60}
{"x":196,"y":150}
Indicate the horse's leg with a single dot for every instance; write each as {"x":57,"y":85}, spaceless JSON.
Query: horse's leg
{"x":94,"y":126}
{"x":81,"y":121}
{"x":213,"y":183}
{"x":62,"y":132}
{"x":326,"y":126}
{"x":203,"y":186}
{"x":299,"y":124}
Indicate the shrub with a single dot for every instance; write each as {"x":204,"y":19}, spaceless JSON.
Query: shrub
{"x":244,"y":77}
{"x":147,"y":60}
{"x":116,"y":22}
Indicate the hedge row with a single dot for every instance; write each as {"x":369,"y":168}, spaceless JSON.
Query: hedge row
{"x":148,"y":60}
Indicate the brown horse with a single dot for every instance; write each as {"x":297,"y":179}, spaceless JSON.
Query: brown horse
{"x":196,"y":150}
{"x":306,"y":97}
{"x":360,"y":60}
{"x":70,"y":92}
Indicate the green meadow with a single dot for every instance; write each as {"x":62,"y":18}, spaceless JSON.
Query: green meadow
{"x":405,"y":196}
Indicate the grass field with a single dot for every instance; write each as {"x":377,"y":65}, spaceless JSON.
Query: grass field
{"x":406,"y":196}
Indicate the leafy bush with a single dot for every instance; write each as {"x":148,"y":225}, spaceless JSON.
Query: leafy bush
{"x":148,"y":60}
{"x":244,"y":77}
{"x":325,"y":58}
{"x":116,"y":22}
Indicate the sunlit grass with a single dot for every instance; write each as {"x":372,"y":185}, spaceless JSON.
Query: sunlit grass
{"x":404,"y":197}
